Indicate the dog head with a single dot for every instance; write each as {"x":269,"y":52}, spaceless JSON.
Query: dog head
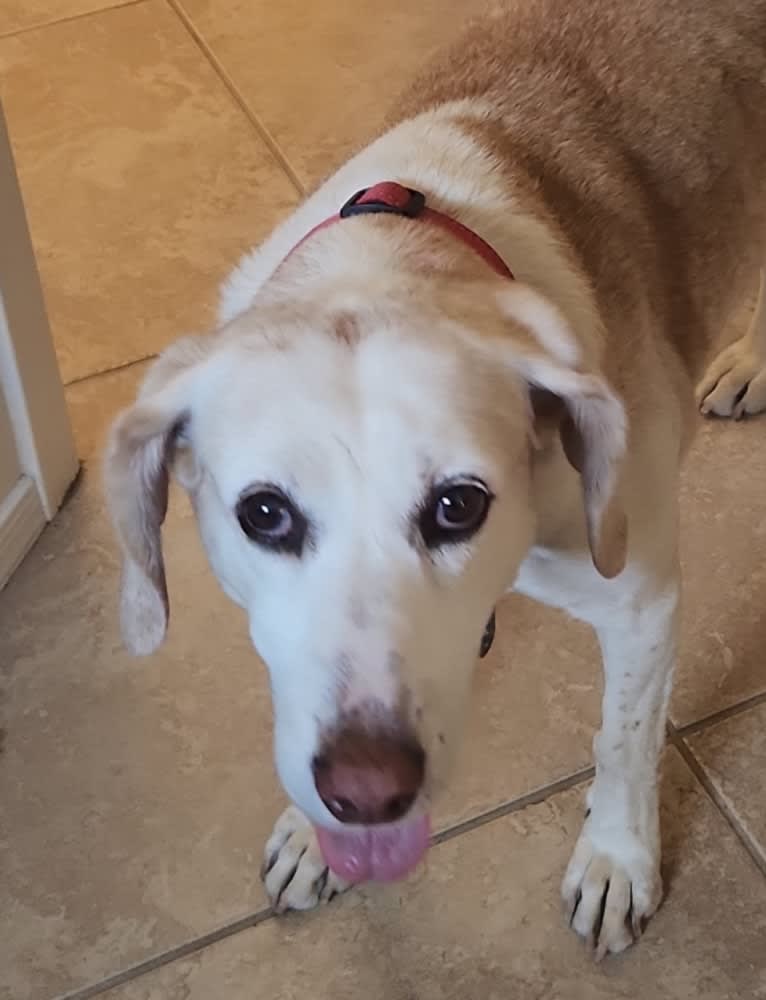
{"x":360,"y":468}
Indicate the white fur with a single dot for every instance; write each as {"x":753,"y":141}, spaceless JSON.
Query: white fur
{"x":366,"y":616}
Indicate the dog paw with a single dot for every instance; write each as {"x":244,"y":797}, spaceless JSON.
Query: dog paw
{"x":293,"y":871}
{"x":611,"y":888}
{"x":735,"y":383}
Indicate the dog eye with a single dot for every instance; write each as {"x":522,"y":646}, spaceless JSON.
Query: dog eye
{"x":269,"y":518}
{"x":454,"y":512}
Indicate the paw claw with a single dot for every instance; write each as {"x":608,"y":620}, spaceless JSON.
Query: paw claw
{"x":267,"y":864}
{"x":571,"y":902}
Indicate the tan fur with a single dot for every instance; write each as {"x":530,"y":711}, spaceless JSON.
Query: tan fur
{"x":347,"y":328}
{"x":639,"y":130}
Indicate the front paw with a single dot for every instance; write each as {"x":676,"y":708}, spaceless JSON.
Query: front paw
{"x":293,"y":871}
{"x":612,"y":886}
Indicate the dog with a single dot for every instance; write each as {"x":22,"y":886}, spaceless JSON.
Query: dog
{"x":467,"y":364}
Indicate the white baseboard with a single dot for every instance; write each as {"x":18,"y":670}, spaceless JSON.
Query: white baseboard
{"x":21,"y":520}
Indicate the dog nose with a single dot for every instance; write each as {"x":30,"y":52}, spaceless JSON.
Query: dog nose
{"x":367,"y":778}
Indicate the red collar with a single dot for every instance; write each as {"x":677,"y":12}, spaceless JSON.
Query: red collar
{"x":394,"y":199}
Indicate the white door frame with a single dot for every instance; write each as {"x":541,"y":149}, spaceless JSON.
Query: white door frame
{"x":29,"y":380}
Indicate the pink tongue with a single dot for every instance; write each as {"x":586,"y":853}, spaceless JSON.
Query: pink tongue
{"x":375,"y":853}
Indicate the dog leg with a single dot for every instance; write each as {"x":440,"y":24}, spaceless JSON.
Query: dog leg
{"x":735,"y":383}
{"x":294,"y":872}
{"x":613,"y":883}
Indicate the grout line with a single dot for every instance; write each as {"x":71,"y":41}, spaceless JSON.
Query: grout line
{"x":108,"y":371}
{"x":721,"y":715}
{"x":14,"y":32}
{"x":719,"y":800}
{"x":260,"y":916}
{"x":254,"y":119}
{"x":532,"y":798}
{"x":166,"y":957}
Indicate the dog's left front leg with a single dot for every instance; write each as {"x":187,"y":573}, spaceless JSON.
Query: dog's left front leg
{"x":613,"y":884}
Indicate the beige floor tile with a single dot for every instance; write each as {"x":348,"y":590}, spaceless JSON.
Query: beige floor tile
{"x":137,"y":794}
{"x":20,"y":15}
{"x":323,"y":76}
{"x":94,"y":402}
{"x":483,"y":920}
{"x":723,"y":530}
{"x":733,"y":753}
{"x":143,"y":180}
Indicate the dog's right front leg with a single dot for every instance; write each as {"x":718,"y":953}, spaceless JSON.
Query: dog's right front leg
{"x":294,"y":872}
{"x":613,"y":881}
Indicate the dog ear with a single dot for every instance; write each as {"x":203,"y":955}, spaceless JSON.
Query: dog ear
{"x":566,"y":386}
{"x":139,"y":453}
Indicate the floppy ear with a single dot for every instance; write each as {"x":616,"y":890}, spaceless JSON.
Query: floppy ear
{"x":566,"y":385}
{"x":140,"y":450}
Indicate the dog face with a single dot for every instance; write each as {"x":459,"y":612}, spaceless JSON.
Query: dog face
{"x":361,"y":478}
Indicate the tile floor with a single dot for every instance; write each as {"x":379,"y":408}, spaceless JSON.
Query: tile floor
{"x":155,"y":141}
